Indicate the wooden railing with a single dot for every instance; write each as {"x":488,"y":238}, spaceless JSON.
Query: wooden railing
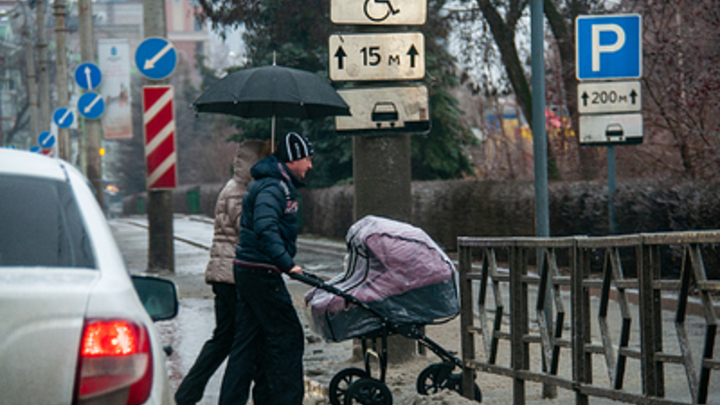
{"x":522,"y":304}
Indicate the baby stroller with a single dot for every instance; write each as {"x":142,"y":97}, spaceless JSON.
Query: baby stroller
{"x":397,"y":279}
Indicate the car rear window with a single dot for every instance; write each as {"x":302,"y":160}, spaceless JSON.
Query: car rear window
{"x":40,"y":224}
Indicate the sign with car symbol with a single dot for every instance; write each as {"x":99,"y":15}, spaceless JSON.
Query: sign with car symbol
{"x":608,"y":48}
{"x":378,"y":12}
{"x":359,"y":57}
{"x":385,"y":109}
{"x":611,"y":129}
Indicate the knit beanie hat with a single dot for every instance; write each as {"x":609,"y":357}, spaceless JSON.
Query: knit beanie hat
{"x":294,"y":147}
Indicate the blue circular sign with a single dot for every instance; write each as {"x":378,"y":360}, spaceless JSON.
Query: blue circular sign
{"x":91,"y":105}
{"x":36,"y":149}
{"x":156,"y":58}
{"x":46,"y":140}
{"x":63,"y":117}
{"x":88,"y":76}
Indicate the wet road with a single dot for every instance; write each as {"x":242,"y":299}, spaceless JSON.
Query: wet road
{"x":195,"y":321}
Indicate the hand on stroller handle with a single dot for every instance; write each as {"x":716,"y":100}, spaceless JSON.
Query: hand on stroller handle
{"x":307,"y":278}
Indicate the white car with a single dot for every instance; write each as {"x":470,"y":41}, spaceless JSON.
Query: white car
{"x":73,"y":329}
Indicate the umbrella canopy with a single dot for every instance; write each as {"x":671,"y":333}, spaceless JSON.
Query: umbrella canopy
{"x":271,"y":91}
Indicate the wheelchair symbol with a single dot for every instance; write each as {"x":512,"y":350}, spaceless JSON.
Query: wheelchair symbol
{"x":377,"y":12}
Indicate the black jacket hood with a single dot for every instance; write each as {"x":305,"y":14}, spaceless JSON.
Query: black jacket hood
{"x":272,"y":167}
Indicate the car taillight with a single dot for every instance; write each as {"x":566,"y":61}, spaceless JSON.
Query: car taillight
{"x":115,"y":361}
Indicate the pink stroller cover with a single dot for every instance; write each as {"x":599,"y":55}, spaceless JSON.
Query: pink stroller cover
{"x":394,"y":267}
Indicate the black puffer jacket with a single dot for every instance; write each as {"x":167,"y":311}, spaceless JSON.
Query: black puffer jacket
{"x":267,"y":224}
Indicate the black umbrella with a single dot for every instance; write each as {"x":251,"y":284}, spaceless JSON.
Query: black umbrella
{"x":271,"y":91}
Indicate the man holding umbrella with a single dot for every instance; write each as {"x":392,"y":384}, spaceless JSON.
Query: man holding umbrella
{"x":268,"y":335}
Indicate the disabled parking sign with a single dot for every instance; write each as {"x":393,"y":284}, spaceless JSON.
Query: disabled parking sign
{"x":608,"y":47}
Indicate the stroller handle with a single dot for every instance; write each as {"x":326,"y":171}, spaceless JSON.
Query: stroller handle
{"x":317,"y":282}
{"x":308,"y":278}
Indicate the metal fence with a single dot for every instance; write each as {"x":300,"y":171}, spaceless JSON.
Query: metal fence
{"x":629,"y":299}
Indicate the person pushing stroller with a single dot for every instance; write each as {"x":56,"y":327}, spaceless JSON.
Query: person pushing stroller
{"x":267,"y":324}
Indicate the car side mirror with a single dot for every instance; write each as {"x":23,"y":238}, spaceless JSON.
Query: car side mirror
{"x":158,"y":296}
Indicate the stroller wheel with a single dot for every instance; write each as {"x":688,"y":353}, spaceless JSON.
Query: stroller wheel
{"x":437,"y":377}
{"x":433,"y":378}
{"x":368,"y":391}
{"x":455,"y":383}
{"x":341,"y":381}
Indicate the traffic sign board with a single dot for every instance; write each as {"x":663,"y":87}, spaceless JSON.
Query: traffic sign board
{"x":159,"y":125}
{"x":378,"y":12}
{"x":35,"y":149}
{"x":385,"y":109}
{"x":63,"y":117}
{"x":611,"y":129}
{"x":397,"y":56}
{"x":594,"y":97}
{"x":608,"y":47}
{"x":88,"y":76}
{"x":156,"y":58}
{"x":91,"y":105}
{"x":46,"y":140}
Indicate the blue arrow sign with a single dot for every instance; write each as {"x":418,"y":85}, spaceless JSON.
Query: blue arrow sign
{"x":608,"y":47}
{"x":91,"y":105}
{"x":88,"y":76}
{"x":156,"y":58}
{"x":36,"y":149}
{"x":63,"y":117}
{"x":46,"y":140}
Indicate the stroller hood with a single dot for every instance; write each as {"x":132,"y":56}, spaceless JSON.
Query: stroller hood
{"x":395,"y":268}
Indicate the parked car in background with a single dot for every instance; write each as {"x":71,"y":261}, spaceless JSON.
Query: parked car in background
{"x":73,"y":329}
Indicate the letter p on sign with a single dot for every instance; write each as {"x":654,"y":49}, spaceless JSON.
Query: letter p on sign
{"x":608,"y":47}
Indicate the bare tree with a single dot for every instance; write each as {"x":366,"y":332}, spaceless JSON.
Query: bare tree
{"x":504,"y":19}
{"x":681,"y":84}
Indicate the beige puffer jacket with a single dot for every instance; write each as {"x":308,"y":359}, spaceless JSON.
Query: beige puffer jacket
{"x":227,"y":214}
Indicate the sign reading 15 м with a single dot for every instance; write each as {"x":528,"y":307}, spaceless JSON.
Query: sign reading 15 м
{"x":397,"y":56}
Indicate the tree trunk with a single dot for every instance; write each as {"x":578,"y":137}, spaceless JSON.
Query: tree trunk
{"x":505,"y":39}
{"x":587,"y":156}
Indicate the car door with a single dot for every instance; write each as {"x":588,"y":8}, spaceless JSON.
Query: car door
{"x":47,"y":272}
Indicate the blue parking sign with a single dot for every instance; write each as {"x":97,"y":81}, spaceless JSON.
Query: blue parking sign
{"x":608,"y":47}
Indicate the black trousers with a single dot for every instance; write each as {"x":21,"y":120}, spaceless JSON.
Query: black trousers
{"x":268,"y":334}
{"x":215,"y":350}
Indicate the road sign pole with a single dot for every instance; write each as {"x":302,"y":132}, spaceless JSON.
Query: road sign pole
{"x":43,"y":64}
{"x":92,"y":127}
{"x":161,"y":252}
{"x":611,"y":188}
{"x":62,"y":75}
{"x":542,"y":215}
